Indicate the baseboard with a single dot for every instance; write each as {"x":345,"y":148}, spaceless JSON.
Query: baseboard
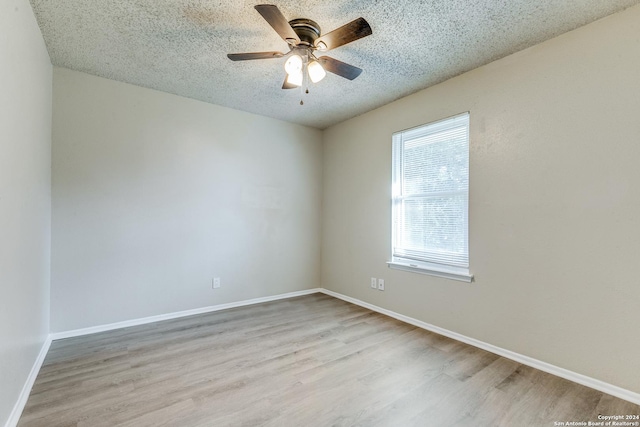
{"x":593,"y":383}
{"x":14,"y":417}
{"x":526,"y":360}
{"x":176,"y":315}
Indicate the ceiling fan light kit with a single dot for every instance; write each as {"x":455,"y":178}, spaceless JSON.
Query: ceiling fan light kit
{"x":303,"y":37}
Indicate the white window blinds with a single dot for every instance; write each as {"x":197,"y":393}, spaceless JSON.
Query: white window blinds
{"x":431,"y":193}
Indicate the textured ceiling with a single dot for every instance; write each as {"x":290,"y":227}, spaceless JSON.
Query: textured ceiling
{"x":180,"y":46}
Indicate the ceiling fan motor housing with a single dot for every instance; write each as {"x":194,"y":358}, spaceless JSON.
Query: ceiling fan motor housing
{"x":306,"y":29}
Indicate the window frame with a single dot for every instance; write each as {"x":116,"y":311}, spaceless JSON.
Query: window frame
{"x":458,"y":270}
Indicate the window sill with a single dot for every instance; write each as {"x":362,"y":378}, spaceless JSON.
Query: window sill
{"x":431,"y":271}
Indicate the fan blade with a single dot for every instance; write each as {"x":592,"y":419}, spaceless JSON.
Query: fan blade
{"x":254,"y":55}
{"x":287,"y":85}
{"x":340,"y":68}
{"x":352,"y":31}
{"x":276,"y":19}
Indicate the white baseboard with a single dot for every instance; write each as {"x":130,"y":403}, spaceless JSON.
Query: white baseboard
{"x":593,"y":383}
{"x":526,"y":360}
{"x":14,"y":417}
{"x":135,"y":322}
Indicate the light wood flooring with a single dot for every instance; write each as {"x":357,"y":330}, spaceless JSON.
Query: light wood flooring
{"x":307,"y":361}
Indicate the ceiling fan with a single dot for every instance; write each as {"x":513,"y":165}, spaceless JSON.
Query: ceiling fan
{"x":304,"y":39}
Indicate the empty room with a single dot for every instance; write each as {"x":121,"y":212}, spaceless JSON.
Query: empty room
{"x":385,"y":213}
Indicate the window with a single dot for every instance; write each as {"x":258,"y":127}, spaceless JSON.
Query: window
{"x":430,"y":193}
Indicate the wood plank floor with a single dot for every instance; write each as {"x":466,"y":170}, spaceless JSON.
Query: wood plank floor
{"x":307,"y":361}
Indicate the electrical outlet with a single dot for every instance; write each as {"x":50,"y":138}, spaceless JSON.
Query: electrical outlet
{"x":381,"y":284}
{"x":216,"y":282}
{"x":373,"y":283}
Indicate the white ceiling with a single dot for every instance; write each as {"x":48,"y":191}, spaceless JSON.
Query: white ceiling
{"x":180,"y":46}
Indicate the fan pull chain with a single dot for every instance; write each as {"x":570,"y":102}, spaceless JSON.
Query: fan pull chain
{"x":301,"y":90}
{"x":305,"y":83}
{"x":306,"y":91}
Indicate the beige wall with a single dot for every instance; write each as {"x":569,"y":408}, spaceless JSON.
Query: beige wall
{"x":154,"y":195}
{"x":25,"y":197}
{"x":554,"y":203}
